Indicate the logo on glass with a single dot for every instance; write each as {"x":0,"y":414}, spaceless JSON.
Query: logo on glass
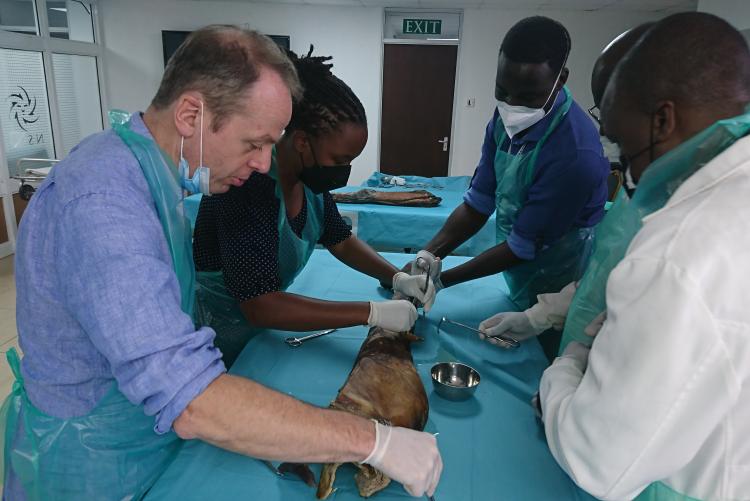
{"x":23,"y":108}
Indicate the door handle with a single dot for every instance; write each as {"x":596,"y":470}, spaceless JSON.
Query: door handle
{"x":444,"y":142}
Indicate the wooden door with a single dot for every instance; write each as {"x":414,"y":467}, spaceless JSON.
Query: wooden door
{"x":418,"y":85}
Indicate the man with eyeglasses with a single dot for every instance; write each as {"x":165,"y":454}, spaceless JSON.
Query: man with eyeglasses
{"x":658,"y":407}
{"x":603,"y":68}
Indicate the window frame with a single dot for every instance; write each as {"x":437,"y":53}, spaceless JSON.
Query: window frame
{"x":47,"y":45}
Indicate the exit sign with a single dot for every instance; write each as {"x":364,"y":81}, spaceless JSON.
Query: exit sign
{"x":422,"y":26}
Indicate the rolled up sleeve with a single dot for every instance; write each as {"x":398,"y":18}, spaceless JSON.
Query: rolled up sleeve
{"x":521,"y":247}
{"x":555,"y":200}
{"x":121,"y":287}
{"x":481,"y":193}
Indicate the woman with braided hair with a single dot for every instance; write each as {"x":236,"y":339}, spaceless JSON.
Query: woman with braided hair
{"x":251,"y":242}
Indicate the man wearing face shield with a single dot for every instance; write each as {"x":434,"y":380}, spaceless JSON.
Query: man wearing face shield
{"x":657,"y":408}
{"x":542,"y":172}
{"x":115,"y":375}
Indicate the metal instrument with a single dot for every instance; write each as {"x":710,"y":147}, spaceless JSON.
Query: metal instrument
{"x":399,"y":182}
{"x":454,"y":380}
{"x":273,"y":468}
{"x":284,"y":468}
{"x":297,"y":341}
{"x":428,"y":270}
{"x":505,"y":341}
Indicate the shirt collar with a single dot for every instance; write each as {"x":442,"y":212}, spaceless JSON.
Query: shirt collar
{"x":138,"y":126}
{"x":536,"y":131}
{"x":714,"y":172}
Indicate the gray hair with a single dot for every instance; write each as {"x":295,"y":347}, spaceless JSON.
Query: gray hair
{"x":222,"y":62}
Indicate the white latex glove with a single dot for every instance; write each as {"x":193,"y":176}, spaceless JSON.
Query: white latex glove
{"x":512,"y":324}
{"x":398,"y":315}
{"x":426,"y":261}
{"x":578,"y":352}
{"x":407,"y":456}
{"x":552,"y":309}
{"x":549,"y":313}
{"x":411,"y":286}
{"x":596,"y":324}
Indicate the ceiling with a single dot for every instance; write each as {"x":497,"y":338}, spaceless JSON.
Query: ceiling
{"x":575,"y":5}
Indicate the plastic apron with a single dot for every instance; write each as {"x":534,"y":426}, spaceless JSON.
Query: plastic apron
{"x":556,"y":265}
{"x":113,"y":451}
{"x":219,"y":310}
{"x":656,"y":186}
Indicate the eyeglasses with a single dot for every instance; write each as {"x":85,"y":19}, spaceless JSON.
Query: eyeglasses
{"x":594,"y":112}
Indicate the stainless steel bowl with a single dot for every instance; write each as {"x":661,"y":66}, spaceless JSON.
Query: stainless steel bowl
{"x":454,"y":380}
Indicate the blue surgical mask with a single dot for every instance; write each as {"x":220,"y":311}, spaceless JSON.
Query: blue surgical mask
{"x":199,"y":183}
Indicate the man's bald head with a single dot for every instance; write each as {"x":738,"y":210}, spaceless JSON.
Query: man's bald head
{"x":697,"y":60}
{"x":610,"y":57}
{"x":687,"y":72}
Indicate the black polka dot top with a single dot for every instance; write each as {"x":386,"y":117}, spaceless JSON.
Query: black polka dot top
{"x":236,"y":232}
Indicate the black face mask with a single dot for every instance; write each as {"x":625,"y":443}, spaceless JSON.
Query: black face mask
{"x":322,"y":178}
{"x":625,"y":161}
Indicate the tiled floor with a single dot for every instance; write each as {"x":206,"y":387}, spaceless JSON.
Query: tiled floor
{"x":8,"y":334}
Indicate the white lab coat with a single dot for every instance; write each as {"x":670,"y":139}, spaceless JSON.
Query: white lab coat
{"x":666,"y":395}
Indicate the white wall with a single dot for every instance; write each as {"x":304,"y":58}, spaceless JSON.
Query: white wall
{"x":133,"y":66}
{"x":736,"y":12}
{"x":134,"y":62}
{"x":483,"y":31}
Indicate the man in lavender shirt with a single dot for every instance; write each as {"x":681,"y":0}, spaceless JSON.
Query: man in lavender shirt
{"x":99,"y":301}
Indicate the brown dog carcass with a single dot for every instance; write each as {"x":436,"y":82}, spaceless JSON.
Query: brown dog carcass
{"x":383,"y":385}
